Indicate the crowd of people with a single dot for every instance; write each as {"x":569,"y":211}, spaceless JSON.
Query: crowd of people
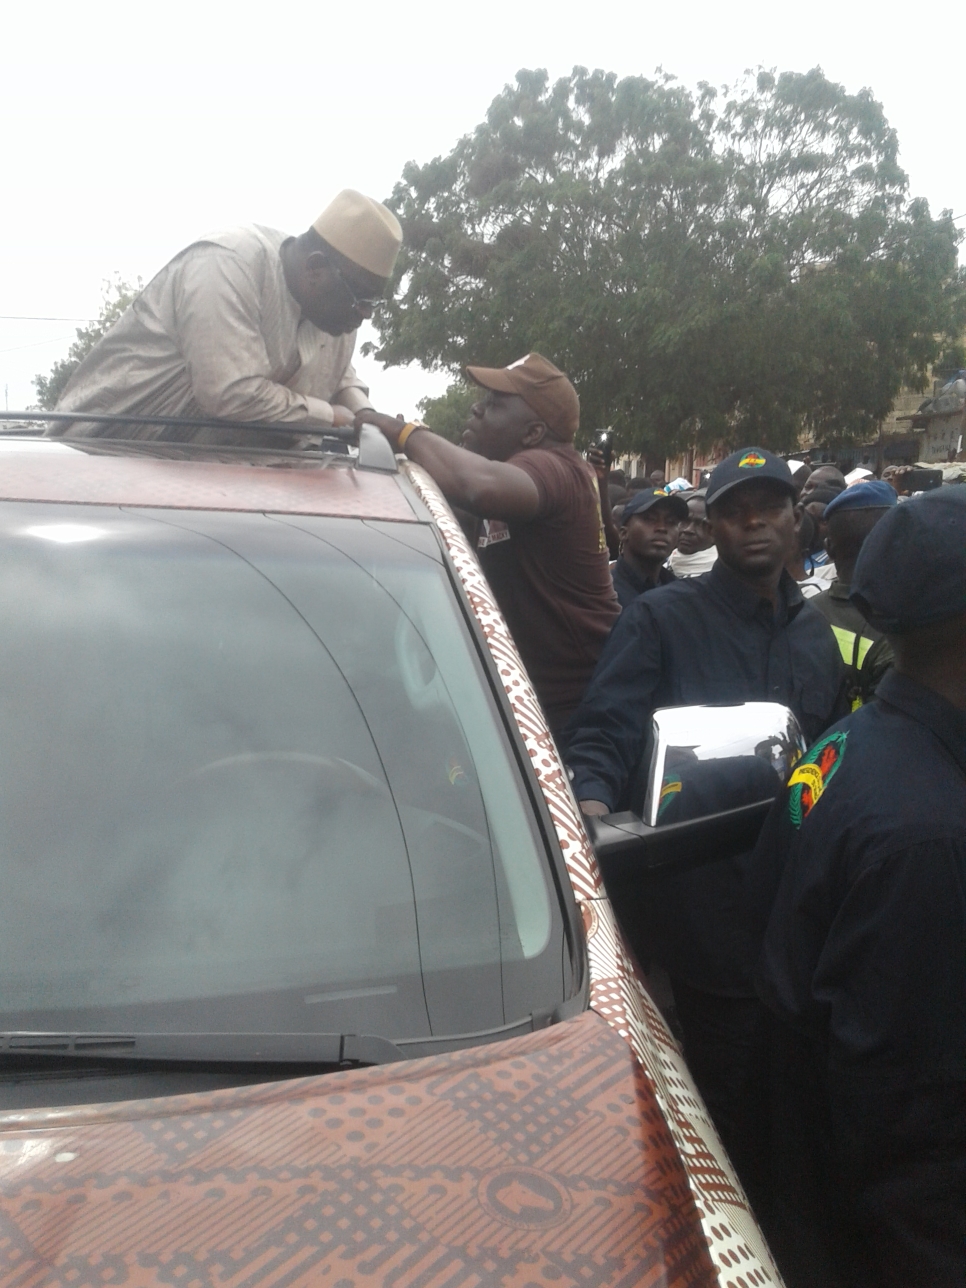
{"x":819,"y":981}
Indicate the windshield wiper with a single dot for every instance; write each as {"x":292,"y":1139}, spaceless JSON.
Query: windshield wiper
{"x":330,"y":1049}
{"x":206,"y":1048}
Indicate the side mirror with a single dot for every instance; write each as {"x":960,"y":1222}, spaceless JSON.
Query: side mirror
{"x":710,"y":778}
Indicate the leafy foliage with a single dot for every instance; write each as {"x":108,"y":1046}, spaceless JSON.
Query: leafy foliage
{"x":116,"y":296}
{"x":706,"y":267}
{"x":449,"y":413}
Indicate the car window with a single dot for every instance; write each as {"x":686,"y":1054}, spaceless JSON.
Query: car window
{"x":252,"y":778}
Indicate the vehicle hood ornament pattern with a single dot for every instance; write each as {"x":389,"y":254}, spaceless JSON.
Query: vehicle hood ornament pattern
{"x":506,"y":1164}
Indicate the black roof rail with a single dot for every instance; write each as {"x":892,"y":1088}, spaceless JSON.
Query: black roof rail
{"x":346,"y":433}
{"x":374,"y":450}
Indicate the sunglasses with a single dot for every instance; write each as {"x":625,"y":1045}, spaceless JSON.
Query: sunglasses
{"x":357,"y":302}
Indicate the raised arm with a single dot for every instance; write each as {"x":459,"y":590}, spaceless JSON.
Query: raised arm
{"x":488,"y":489}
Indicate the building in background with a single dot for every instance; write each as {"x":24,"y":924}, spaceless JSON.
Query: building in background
{"x":928,"y":431}
{"x":940,"y":422}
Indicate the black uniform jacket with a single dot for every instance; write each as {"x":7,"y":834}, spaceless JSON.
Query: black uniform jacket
{"x":865,"y":953}
{"x":700,"y":639}
{"x":628,"y":582}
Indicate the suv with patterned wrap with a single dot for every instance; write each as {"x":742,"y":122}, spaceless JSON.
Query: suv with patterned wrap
{"x":309,"y":972}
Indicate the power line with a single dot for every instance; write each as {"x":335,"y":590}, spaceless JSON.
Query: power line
{"x":37,"y":344}
{"x":26,"y":317}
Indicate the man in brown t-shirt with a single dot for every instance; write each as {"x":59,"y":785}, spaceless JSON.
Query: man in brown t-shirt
{"x":542,"y":543}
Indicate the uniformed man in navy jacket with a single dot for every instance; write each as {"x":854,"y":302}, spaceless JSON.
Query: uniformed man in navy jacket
{"x":740,"y":633}
{"x":864,"y":960}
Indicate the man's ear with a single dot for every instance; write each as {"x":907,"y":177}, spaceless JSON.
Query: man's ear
{"x":316,"y":263}
{"x":534,"y":434}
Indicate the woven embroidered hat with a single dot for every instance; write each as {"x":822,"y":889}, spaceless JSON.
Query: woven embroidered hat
{"x":363,"y":230}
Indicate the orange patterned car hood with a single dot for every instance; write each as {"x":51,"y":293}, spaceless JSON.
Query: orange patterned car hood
{"x":542,"y":1160}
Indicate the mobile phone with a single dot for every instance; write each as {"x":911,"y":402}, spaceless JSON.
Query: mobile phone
{"x":921,"y":480}
{"x":605,"y":441}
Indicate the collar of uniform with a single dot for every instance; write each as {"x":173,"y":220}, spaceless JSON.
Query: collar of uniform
{"x":747,"y":602}
{"x":930,"y":708}
{"x":626,"y":570}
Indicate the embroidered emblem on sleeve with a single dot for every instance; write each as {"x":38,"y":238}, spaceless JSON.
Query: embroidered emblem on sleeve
{"x":670,"y":789}
{"x":812,"y":774}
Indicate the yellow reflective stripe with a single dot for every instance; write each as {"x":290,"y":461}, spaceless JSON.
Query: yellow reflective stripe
{"x":852,"y":655}
{"x":846,"y":641}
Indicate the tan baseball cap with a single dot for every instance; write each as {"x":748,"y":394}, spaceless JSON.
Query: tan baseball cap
{"x":541,"y":385}
{"x":363,"y":230}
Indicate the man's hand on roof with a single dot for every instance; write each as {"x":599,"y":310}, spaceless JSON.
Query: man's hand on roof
{"x":490,"y":489}
{"x":391,"y":426}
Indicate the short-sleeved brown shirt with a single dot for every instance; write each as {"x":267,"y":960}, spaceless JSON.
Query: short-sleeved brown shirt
{"x":551,"y":578}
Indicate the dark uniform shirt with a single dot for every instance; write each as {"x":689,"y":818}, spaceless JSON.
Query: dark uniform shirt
{"x":865,"y":953}
{"x":700,"y":639}
{"x":866,"y":652}
{"x":629,"y":583}
{"x":551,"y":577}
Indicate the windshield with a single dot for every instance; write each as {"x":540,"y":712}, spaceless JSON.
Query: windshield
{"x":252,"y":778}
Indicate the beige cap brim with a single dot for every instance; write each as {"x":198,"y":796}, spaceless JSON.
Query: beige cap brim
{"x":363,"y":230}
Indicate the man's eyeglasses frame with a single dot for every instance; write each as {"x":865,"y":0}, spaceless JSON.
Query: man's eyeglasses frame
{"x":358,"y":303}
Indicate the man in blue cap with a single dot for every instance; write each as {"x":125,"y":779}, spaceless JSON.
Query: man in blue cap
{"x":863,"y":959}
{"x":850,"y":517}
{"x":739,"y":633}
{"x":648,"y":534}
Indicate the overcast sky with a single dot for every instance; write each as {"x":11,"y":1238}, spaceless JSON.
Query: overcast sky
{"x":129,"y":129}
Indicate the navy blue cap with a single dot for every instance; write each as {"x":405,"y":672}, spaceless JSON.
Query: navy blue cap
{"x":743,"y":466}
{"x":871,"y":495}
{"x":911,"y":570}
{"x":648,"y":497}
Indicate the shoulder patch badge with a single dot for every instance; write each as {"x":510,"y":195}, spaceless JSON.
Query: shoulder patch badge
{"x":751,"y":461}
{"x":811,"y":775}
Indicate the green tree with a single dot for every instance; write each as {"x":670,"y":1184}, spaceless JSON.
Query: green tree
{"x":449,"y":412}
{"x":116,"y":296}
{"x":733,"y":266}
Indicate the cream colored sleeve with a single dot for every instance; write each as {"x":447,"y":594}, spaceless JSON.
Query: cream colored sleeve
{"x":352,"y":392}
{"x":217,"y":310}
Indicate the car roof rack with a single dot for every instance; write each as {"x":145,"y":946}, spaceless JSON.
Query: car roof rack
{"x":372,"y":449}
